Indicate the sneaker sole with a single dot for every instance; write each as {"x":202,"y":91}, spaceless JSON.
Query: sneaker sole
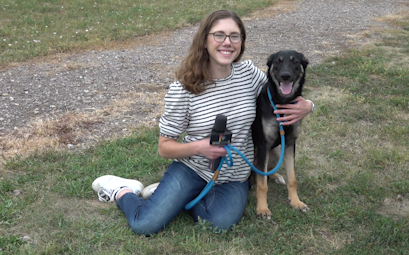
{"x":148,"y":191}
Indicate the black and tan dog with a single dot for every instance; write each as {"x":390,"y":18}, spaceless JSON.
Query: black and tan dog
{"x":286,"y":76}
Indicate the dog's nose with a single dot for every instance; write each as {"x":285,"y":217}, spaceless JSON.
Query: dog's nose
{"x":285,"y":76}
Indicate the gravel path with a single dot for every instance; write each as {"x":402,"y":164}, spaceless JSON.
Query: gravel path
{"x":135,"y":79}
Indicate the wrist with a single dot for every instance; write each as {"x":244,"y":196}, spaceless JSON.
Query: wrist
{"x":312,"y":106}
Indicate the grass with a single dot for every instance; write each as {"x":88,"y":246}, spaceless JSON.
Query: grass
{"x":37,"y":28}
{"x":352,"y":162}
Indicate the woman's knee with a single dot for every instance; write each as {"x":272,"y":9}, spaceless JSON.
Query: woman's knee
{"x":147,"y":229}
{"x":219,"y":225}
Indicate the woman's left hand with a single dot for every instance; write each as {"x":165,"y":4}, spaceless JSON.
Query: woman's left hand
{"x":293,"y":112}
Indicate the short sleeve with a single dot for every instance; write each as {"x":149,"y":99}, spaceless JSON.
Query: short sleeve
{"x":175,"y":118}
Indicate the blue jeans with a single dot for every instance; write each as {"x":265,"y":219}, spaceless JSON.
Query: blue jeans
{"x":223,"y":206}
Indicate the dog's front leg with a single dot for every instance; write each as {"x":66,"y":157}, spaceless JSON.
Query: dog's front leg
{"x":289,"y":165}
{"x":272,"y":163}
{"x":262,"y":187}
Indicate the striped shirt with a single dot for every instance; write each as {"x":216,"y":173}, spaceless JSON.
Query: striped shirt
{"x":194,"y":116}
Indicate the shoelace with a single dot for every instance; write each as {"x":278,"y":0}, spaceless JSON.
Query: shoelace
{"x":105,"y":195}
{"x":108,"y":195}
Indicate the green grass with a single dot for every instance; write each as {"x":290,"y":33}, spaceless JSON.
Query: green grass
{"x":36,"y":28}
{"x":352,"y":162}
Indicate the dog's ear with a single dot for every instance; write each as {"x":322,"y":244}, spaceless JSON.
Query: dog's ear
{"x":270,"y":59}
{"x":304,"y":61}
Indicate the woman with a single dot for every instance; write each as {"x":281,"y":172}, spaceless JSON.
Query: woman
{"x":210,"y":81}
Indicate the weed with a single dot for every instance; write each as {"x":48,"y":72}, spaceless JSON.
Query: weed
{"x":352,"y":158}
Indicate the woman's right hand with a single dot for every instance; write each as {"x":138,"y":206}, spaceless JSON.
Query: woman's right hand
{"x":210,"y":151}
{"x":172,"y":149}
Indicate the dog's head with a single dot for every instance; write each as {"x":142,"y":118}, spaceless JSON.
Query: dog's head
{"x":286,"y":70}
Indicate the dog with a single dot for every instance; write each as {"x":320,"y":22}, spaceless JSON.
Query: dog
{"x":286,"y":76}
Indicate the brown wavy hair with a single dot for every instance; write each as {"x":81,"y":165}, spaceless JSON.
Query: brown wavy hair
{"x":194,"y":73}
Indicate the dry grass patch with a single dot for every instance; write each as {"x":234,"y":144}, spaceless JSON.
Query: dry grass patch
{"x":397,"y":208}
{"x":47,"y":134}
{"x":335,"y":241}
{"x":143,"y":106}
{"x":396,"y":19}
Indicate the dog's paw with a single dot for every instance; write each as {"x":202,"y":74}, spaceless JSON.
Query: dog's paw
{"x":299,"y":206}
{"x":264,"y":214}
{"x":305,"y":209}
{"x":280,"y":180}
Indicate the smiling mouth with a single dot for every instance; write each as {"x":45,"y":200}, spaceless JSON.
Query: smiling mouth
{"x":225,"y":52}
{"x":286,"y":87}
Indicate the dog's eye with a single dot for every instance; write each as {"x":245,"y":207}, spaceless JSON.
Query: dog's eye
{"x":295,"y":61}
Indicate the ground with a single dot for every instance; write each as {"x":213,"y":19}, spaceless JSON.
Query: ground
{"x":73,"y":101}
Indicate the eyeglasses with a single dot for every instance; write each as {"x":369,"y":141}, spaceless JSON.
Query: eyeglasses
{"x":221,"y":37}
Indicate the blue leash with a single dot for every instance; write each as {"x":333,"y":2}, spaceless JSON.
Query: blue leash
{"x":229,"y":162}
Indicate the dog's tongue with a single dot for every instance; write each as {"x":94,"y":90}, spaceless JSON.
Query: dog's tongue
{"x":286,"y":87}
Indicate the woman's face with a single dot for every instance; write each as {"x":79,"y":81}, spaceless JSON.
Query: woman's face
{"x":222,"y":54}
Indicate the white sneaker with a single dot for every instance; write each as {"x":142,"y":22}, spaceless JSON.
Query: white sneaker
{"x":148,"y":191}
{"x":108,"y":185}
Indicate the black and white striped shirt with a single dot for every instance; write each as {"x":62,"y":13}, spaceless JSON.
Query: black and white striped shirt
{"x":235,"y":97}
